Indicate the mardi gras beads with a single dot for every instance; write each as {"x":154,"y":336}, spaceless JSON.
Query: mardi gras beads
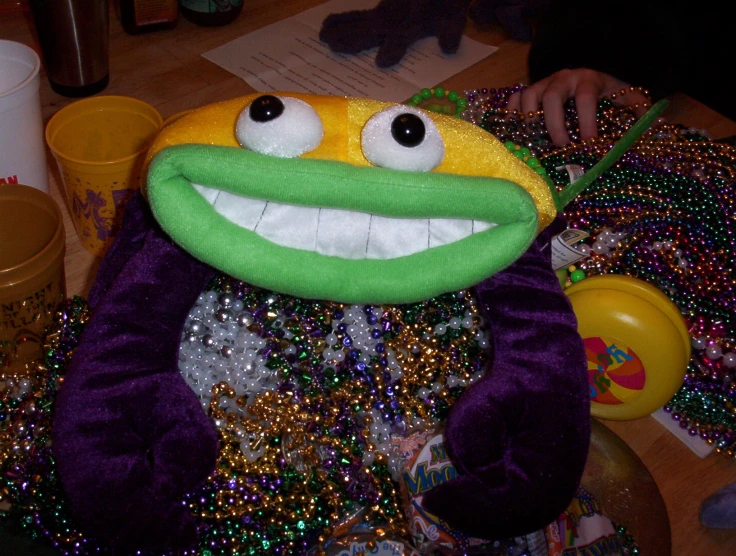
{"x":440,"y":100}
{"x":669,"y":204}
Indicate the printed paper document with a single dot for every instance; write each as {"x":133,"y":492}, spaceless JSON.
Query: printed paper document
{"x":288,"y":56}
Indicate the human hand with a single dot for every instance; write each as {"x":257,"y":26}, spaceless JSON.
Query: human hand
{"x":393,"y":26}
{"x":585,"y":86}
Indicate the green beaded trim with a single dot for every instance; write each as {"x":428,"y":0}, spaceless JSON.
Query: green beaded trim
{"x":523,"y":153}
{"x":453,"y":103}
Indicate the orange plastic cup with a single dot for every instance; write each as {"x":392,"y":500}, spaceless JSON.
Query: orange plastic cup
{"x":99,"y":144}
{"x":31,"y":274}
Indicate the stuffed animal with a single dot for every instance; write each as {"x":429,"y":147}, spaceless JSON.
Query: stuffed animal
{"x":355,"y":270}
{"x":392,"y":26}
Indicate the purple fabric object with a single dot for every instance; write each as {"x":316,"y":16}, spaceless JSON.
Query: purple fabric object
{"x":130,"y":437}
{"x":393,"y":26}
{"x":519,"y":437}
{"x":137,"y":222}
{"x":718,"y":511}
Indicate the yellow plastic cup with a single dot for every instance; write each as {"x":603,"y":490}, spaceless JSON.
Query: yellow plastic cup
{"x":99,"y":144}
{"x":31,"y":274}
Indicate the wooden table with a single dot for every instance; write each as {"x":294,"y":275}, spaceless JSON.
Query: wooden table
{"x":166,"y":70}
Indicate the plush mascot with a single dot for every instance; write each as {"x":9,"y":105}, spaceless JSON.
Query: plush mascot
{"x":380,"y":269}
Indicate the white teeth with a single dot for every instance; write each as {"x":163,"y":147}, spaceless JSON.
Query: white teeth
{"x":339,"y":233}
{"x":333,"y":237}
{"x":232,"y":207}
{"x":442,"y":231}
{"x":289,"y":225}
{"x":208,"y":193}
{"x":480,"y":226}
{"x":394,"y":237}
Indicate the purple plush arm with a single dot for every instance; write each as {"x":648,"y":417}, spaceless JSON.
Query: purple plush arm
{"x":130,"y":437}
{"x":137,"y":222}
{"x":519,"y":437}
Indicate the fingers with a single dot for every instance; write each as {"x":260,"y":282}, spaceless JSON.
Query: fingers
{"x":622,"y":94}
{"x":586,"y":104}
{"x":638,"y":102}
{"x":531,"y":98}
{"x":586,"y":87}
{"x":514,"y":102}
{"x":553,"y":101}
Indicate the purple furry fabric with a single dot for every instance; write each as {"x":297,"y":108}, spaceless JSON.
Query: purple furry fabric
{"x":519,"y":437}
{"x":130,"y":437}
{"x":393,"y":26}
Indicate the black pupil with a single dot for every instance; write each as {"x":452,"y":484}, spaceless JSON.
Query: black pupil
{"x":408,"y":129}
{"x":266,"y":108}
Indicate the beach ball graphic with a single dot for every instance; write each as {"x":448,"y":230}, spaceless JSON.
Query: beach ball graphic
{"x":616,"y":374}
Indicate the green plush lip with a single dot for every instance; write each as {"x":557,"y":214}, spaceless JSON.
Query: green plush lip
{"x":178,"y":174}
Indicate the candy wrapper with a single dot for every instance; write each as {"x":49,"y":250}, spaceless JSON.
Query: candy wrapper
{"x":355,"y":535}
{"x":583,"y":529}
{"x":369,"y":542}
{"x":424,"y":465}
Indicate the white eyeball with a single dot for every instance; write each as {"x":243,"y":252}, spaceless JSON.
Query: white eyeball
{"x":285,"y":127}
{"x":402,"y":138}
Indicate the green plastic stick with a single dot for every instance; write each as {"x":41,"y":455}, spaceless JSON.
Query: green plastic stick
{"x":629,"y":138}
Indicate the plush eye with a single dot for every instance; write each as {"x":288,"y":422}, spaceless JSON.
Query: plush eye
{"x":402,"y":138}
{"x":279,"y":126}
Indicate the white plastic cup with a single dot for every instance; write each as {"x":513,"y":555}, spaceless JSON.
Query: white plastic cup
{"x":22,"y":147}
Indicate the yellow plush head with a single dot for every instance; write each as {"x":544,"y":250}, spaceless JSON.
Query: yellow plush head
{"x":469,"y":150}
{"x":351,"y":200}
